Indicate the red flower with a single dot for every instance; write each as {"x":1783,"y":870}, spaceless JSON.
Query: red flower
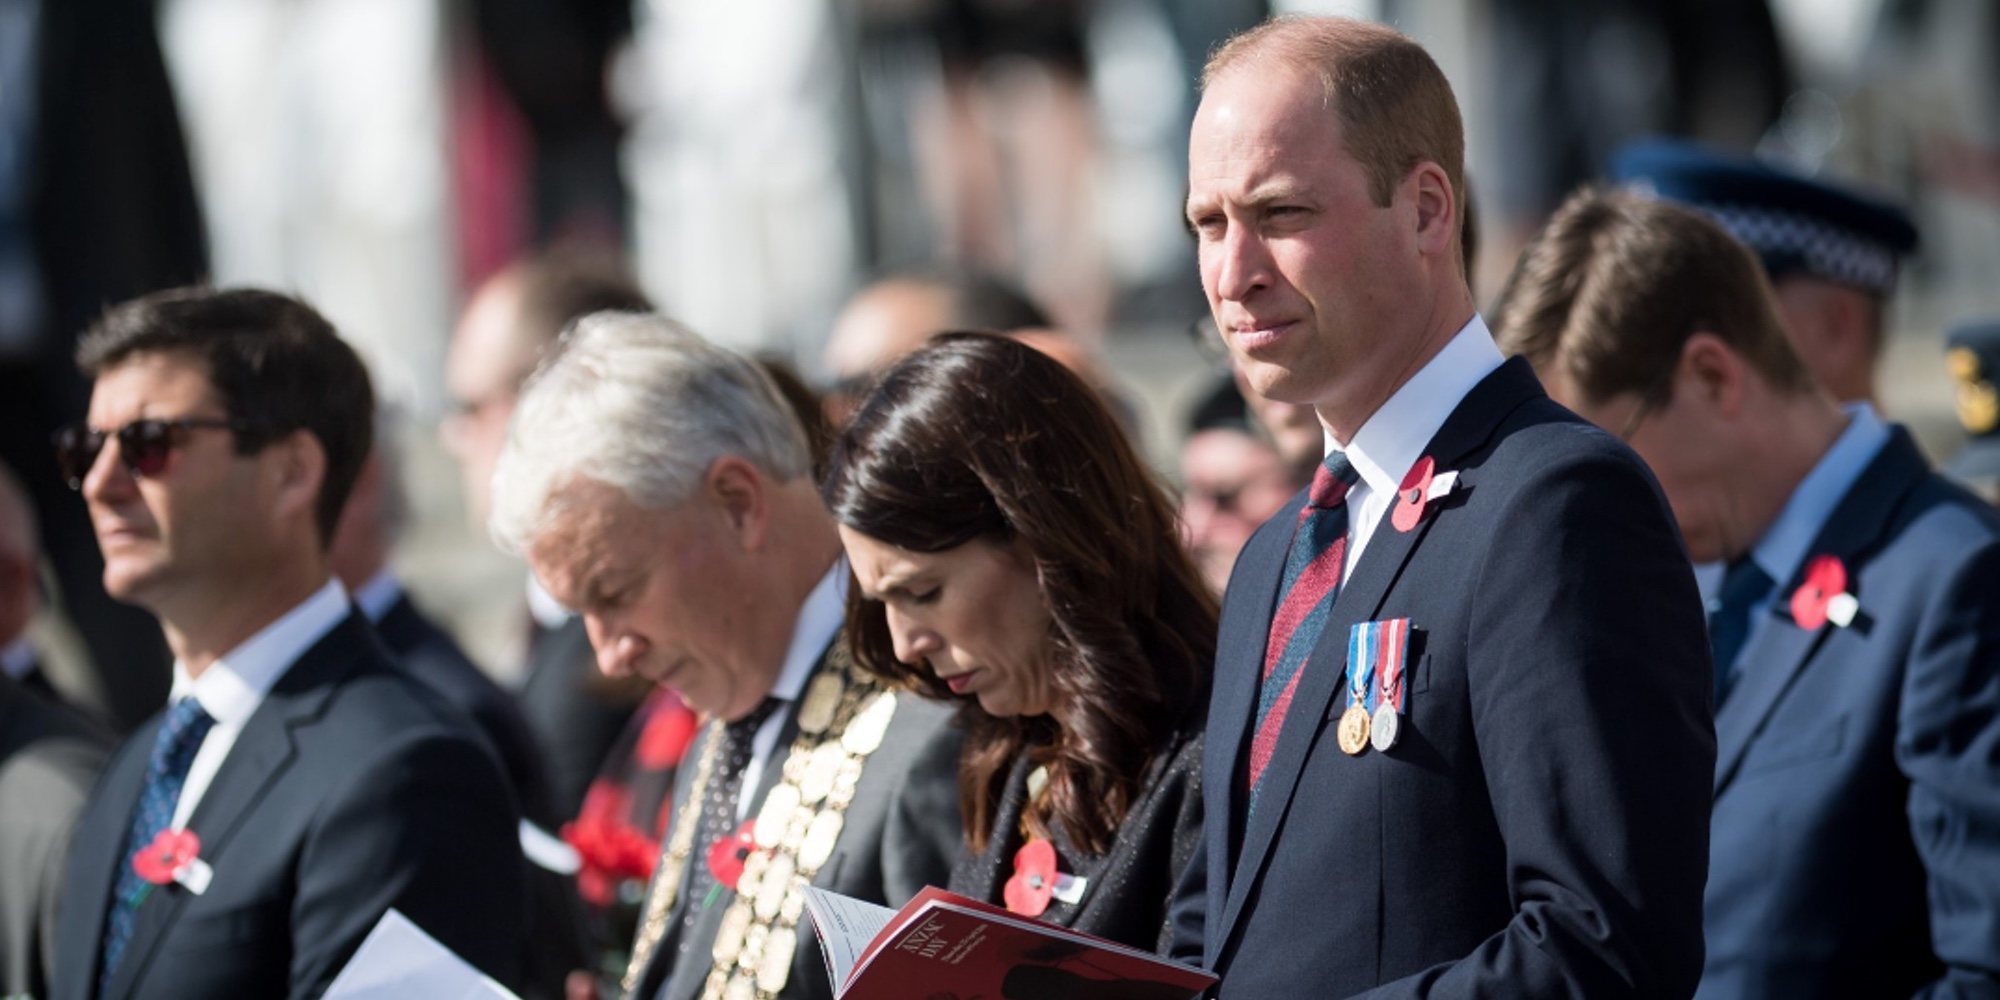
{"x":170,"y":851}
{"x":1034,"y":882}
{"x":1825,"y":580}
{"x":611,"y":850}
{"x":666,"y":733}
{"x":726,"y":855}
{"x":1413,"y":494}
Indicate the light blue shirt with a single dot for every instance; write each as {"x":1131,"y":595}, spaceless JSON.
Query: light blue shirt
{"x":1787,"y":543}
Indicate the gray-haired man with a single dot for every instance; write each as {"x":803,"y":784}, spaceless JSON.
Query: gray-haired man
{"x":660,"y":487}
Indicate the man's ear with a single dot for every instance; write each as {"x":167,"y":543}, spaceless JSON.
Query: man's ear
{"x":297,"y":468}
{"x":1712,"y":372}
{"x":741,"y":493}
{"x":1437,"y":210}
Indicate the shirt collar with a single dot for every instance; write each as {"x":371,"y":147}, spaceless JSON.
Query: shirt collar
{"x":1394,"y":437}
{"x":819,"y":618}
{"x":1786,"y":543}
{"x":233,"y":686}
{"x":543,"y":606}
{"x":378,"y":595}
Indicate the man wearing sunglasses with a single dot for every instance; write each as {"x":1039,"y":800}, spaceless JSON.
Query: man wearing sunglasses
{"x":1856,"y":630}
{"x":298,"y":785}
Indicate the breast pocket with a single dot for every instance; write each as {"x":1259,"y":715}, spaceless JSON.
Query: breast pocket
{"x":1788,"y":748}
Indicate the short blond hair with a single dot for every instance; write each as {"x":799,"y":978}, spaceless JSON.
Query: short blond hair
{"x":1394,"y":105}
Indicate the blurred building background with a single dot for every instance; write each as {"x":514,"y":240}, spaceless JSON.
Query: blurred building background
{"x":760,"y":159}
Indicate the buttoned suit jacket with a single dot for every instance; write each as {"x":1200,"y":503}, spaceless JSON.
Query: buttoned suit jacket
{"x":49,"y":759}
{"x":1857,"y":786}
{"x":351,"y":789}
{"x":1541,"y":827}
{"x":900,"y":833}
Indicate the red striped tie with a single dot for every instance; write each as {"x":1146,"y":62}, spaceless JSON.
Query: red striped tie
{"x":1312,"y":577}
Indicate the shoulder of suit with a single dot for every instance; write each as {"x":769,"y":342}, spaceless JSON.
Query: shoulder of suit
{"x":47,"y":781}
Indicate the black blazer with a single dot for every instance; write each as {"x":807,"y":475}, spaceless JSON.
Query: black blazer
{"x":1542,"y":827}
{"x":429,"y":652}
{"x":351,"y":790}
{"x":574,"y":711}
{"x":1857,"y":788}
{"x":1129,"y":885}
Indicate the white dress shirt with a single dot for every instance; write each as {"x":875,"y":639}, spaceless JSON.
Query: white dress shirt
{"x":1393,"y":438}
{"x":819,"y":618}
{"x":233,"y":686}
{"x":18,"y":659}
{"x":378,"y":595}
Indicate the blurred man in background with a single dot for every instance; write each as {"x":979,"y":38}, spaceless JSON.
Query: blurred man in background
{"x":1972,"y":358}
{"x":1856,"y":633}
{"x":1832,"y":254}
{"x":1232,"y":480}
{"x":895,"y":314}
{"x":512,"y":319}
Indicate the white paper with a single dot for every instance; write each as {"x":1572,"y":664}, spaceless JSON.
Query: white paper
{"x":846,"y":927}
{"x":398,"y":960}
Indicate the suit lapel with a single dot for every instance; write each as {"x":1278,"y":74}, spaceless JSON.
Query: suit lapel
{"x":263,"y":752}
{"x":1361,"y":598}
{"x":1778,"y":650}
{"x":95,"y":858}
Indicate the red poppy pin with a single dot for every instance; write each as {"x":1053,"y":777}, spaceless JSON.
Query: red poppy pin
{"x":1422,"y":485}
{"x":1823,"y":596}
{"x":173,"y":856}
{"x":727,"y":854}
{"x":1034,"y":882}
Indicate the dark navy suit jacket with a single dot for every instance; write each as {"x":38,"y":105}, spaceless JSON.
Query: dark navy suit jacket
{"x":352,"y":789}
{"x":1541,"y":829}
{"x":1857,"y":786}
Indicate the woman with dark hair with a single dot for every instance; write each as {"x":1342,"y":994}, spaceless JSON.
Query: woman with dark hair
{"x":1011,"y":550}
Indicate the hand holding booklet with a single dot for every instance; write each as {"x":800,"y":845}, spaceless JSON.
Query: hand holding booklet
{"x":941,"y":944}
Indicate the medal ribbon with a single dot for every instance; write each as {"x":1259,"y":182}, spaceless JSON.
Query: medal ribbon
{"x":1392,"y":649}
{"x":1361,"y":651}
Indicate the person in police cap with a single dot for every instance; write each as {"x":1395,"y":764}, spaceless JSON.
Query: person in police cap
{"x":1831,"y":253}
{"x":1972,"y":355}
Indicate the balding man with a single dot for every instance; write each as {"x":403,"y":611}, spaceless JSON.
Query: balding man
{"x":1459,"y":743}
{"x":896,"y":314}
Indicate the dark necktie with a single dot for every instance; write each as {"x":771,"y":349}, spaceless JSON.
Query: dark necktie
{"x":718,"y":807}
{"x":1743,"y":585}
{"x":1305,"y":601}
{"x":174,"y":747}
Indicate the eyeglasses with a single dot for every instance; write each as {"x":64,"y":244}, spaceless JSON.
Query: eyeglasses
{"x":143,"y":445}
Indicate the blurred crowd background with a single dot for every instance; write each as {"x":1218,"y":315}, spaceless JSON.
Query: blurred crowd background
{"x":758,"y":161}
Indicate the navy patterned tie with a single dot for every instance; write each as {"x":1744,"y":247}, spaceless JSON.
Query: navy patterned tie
{"x":1313,"y":566}
{"x":1743,"y":585}
{"x":718,"y":807}
{"x":180,"y":736}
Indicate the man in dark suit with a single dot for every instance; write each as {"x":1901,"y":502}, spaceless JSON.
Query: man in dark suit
{"x":1498,"y":785}
{"x":1856,"y":621}
{"x":298,"y":785}
{"x":662,"y":487}
{"x":49,"y":758}
{"x":575,"y":712}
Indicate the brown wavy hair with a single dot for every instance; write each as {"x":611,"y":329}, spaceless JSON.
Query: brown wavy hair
{"x":981,"y":437}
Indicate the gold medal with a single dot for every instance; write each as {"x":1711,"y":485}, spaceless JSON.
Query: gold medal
{"x":771,"y":894}
{"x":729,"y":937}
{"x":775,"y":815}
{"x":822,"y":699}
{"x":1354,"y":730}
{"x":776,"y":968}
{"x":820,"y":838}
{"x":864,"y":733}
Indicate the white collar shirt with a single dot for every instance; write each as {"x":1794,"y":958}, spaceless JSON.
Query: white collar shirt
{"x":378,"y":595}
{"x":233,"y":687}
{"x":819,"y":619}
{"x":1393,"y":438}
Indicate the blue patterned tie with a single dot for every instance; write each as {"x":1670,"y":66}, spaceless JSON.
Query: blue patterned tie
{"x":173,"y":750}
{"x":1743,"y":585}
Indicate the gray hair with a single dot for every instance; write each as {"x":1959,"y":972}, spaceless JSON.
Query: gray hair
{"x":640,"y":403}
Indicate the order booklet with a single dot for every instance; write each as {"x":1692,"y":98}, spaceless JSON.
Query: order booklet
{"x":941,"y":944}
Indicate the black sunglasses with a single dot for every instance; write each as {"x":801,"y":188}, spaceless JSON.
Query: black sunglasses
{"x":143,"y":445}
